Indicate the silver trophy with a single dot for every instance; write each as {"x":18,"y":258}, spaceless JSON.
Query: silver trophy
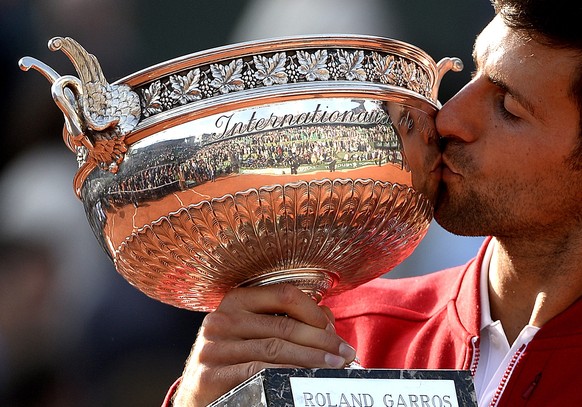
{"x":302,"y":159}
{"x":310,"y":160}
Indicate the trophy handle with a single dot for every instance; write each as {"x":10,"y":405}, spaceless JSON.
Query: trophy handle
{"x":98,"y":115}
{"x":65,"y":91}
{"x":443,"y":66}
{"x":49,"y":73}
{"x":63,"y":96}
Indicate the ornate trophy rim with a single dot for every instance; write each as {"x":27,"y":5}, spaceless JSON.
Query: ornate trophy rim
{"x":249,"y":97}
{"x":223,"y":67}
{"x":283,"y":43}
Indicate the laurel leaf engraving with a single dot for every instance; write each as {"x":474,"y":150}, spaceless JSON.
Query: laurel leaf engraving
{"x":185,"y":88}
{"x":313,"y":66}
{"x":351,"y":65}
{"x":271,"y":70}
{"x":413,"y":76}
{"x":386,"y":68}
{"x":151,"y":101}
{"x":227,"y":78}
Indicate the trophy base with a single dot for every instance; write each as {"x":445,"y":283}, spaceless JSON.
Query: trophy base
{"x":353,"y":387}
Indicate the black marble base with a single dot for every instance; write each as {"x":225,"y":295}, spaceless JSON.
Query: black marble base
{"x":274,"y":387}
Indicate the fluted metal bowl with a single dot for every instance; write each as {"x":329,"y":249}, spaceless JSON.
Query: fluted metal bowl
{"x":303,"y":159}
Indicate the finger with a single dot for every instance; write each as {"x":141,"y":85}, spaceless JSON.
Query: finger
{"x":277,"y":299}
{"x":222,"y":325}
{"x":275,"y":351}
{"x":329,"y":314}
{"x":287,"y":328}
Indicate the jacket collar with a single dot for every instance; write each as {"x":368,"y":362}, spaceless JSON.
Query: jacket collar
{"x":468,"y":297}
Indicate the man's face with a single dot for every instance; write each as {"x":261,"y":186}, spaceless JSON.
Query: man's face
{"x":509,"y":134}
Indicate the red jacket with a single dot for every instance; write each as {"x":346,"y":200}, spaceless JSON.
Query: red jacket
{"x":433,"y":322}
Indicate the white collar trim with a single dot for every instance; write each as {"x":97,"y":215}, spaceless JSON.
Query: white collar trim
{"x":486,"y":268}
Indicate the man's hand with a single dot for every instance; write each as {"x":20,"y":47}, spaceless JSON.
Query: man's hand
{"x":256,"y":328}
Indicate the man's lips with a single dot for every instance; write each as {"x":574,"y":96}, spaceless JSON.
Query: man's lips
{"x":438,"y":164}
{"x":437,"y":168}
{"x":447,"y":170}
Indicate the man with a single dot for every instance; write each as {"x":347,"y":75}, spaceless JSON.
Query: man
{"x":511,"y":167}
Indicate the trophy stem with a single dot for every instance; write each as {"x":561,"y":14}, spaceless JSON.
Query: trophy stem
{"x":315,"y":282}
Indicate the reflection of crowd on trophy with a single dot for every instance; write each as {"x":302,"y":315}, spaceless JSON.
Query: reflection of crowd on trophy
{"x":325,"y":146}
{"x":322,"y":148}
{"x":168,"y":170}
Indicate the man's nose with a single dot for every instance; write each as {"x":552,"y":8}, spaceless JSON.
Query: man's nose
{"x":458,"y":117}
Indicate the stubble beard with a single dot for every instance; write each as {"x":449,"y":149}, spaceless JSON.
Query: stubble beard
{"x":469,"y":212}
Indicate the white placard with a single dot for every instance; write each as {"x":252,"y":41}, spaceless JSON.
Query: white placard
{"x":357,"y":392}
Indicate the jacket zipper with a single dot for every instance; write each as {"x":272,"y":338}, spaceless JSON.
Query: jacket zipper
{"x":476,"y":355}
{"x":508,"y":372}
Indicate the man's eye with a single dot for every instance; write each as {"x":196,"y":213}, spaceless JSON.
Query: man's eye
{"x":506,"y":114}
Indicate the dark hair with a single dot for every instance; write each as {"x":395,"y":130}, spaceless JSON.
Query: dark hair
{"x":556,"y":23}
{"x":553,"y":22}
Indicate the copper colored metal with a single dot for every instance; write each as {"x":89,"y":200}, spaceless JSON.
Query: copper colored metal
{"x":308,"y":160}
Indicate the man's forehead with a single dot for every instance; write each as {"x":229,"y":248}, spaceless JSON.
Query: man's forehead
{"x":500,"y":49}
{"x":491,"y":40}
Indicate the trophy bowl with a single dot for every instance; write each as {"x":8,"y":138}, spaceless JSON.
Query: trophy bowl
{"x":302,"y":159}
